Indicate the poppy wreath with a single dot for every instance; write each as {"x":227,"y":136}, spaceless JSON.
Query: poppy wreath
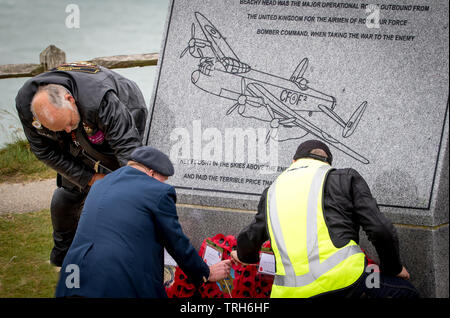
{"x":183,"y":288}
{"x":368,"y":259}
{"x":247,"y":282}
{"x":227,"y":243}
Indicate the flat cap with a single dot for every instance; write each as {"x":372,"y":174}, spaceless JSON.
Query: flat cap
{"x":153,"y":159}
{"x":305,"y":148}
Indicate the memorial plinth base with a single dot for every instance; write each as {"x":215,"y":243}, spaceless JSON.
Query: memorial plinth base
{"x":424,"y":247}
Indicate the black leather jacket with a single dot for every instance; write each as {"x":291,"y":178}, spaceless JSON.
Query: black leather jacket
{"x":106,"y":101}
{"x":348,"y":204}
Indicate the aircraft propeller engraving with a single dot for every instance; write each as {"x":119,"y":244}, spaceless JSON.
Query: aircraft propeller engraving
{"x":259,"y":95}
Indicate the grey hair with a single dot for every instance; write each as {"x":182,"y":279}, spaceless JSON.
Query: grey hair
{"x":55,"y":93}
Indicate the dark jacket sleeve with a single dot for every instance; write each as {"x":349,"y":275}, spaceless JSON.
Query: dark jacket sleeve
{"x":251,"y":238}
{"x":176,"y":242}
{"x":380,"y":231}
{"x":48,"y":151}
{"x":117,"y":123}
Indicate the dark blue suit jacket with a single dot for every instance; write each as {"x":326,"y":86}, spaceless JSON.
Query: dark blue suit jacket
{"x":127,"y":220}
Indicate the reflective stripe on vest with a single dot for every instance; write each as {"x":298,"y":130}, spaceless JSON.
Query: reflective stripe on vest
{"x":311,"y":265}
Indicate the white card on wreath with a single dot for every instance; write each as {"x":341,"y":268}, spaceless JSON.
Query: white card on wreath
{"x":212,"y":256}
{"x":267,"y":264}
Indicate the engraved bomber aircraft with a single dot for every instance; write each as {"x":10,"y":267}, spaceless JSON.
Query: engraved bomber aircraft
{"x":263,"y":96}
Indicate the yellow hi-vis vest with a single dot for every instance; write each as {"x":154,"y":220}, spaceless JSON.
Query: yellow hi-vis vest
{"x":307,"y":262}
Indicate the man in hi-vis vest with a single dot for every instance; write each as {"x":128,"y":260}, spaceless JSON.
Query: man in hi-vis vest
{"x":312,"y":214}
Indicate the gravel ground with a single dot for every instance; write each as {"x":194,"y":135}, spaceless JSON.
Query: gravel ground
{"x":26,"y":197}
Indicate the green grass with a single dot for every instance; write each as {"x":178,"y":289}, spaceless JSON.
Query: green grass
{"x":18,"y":163}
{"x":25,"y":245}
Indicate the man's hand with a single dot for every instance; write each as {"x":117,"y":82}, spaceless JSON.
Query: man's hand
{"x":404,"y":274}
{"x":96,"y":177}
{"x":236,"y":259}
{"x":219,"y":271}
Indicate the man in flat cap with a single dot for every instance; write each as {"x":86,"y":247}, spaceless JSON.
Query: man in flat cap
{"x":312,"y":214}
{"x":128,"y":219}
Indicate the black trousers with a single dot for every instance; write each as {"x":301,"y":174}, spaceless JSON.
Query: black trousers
{"x":65,"y":209}
{"x":378,"y":285}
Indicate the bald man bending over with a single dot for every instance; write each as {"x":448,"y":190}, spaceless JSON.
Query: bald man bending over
{"x":83,"y":121}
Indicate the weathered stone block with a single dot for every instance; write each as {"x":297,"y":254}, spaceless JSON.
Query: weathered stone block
{"x":242,"y":83}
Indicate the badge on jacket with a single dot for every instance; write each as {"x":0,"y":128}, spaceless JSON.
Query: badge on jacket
{"x":95,"y":136}
{"x":36,"y":123}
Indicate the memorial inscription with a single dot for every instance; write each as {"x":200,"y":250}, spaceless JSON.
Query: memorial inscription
{"x":241,"y":83}
{"x":244,"y":82}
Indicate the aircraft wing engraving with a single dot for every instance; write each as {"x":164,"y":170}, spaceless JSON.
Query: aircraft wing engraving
{"x":291,"y":116}
{"x":279,"y":101}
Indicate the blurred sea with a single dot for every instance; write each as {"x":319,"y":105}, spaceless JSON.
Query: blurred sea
{"x":107,"y":27}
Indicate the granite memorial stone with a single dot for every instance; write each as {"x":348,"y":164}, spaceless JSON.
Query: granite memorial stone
{"x":242,"y":82}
